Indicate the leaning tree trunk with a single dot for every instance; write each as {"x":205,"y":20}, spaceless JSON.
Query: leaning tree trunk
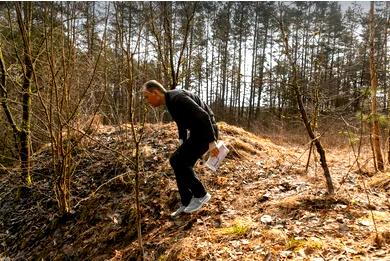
{"x":313,"y":136}
{"x":374,"y":84}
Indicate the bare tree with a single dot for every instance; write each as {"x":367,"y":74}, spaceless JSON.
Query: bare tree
{"x":169,"y":39}
{"x":295,"y":84}
{"x":136,"y":131}
{"x":63,"y":99}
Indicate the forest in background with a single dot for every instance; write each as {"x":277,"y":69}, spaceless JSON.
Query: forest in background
{"x":66,"y":66}
{"x":73,"y":118}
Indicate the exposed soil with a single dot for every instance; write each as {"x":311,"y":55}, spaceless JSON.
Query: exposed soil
{"x":264,"y":205}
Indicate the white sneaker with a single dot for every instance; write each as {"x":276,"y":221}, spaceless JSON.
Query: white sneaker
{"x":197,"y":203}
{"x":178,"y":211}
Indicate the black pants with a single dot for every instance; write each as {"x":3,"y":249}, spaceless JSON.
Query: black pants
{"x":182,"y":162}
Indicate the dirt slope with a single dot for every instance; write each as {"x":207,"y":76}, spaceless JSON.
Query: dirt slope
{"x":264,"y":205}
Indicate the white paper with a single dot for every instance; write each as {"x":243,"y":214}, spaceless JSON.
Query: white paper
{"x":214,"y":162}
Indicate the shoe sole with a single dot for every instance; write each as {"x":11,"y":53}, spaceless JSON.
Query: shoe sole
{"x":173,"y":215}
{"x":176,"y":213}
{"x":207,"y":199}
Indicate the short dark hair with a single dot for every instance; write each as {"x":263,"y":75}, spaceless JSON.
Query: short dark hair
{"x":154,"y":85}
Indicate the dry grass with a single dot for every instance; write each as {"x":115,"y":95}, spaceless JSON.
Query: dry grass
{"x":238,"y":229}
{"x":386,"y":236}
{"x":239,"y":149}
{"x":274,"y":235}
{"x":234,"y":131}
{"x":381,"y":239}
{"x":288,"y":203}
{"x":380,"y":181}
{"x":230,"y":227}
{"x":309,"y":245}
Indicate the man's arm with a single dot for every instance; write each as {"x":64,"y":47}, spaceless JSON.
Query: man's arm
{"x":197,"y":117}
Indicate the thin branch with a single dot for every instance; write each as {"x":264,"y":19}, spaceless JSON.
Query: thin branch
{"x":101,"y":186}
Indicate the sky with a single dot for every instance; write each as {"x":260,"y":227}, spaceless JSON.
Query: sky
{"x":345,"y":4}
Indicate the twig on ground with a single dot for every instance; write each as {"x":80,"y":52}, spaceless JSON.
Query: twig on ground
{"x":98,"y":188}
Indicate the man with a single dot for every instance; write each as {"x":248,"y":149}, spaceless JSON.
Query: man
{"x":191,"y":114}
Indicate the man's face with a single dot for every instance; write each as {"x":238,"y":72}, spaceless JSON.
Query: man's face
{"x":153,"y":97}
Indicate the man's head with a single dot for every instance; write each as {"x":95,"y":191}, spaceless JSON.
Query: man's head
{"x":154,"y":93}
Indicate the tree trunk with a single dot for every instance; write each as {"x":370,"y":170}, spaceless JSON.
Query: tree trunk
{"x":271,"y":91}
{"x":234,"y":91}
{"x":224,"y":71}
{"x":244,"y":87}
{"x":374,"y":85}
{"x":25,"y":23}
{"x":261,"y":68}
{"x":238,"y":83}
{"x":187,"y":81}
{"x":253,"y":75}
{"x":386,"y":70}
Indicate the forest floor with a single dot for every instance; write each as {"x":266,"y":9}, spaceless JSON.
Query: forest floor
{"x":264,"y":205}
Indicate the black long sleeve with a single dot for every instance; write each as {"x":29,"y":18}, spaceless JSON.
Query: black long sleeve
{"x":189,"y":112}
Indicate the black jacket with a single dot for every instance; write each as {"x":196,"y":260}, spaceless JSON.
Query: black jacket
{"x":190,"y":113}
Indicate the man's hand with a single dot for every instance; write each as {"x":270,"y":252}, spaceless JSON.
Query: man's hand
{"x":213,"y":150}
{"x":180,"y":141}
